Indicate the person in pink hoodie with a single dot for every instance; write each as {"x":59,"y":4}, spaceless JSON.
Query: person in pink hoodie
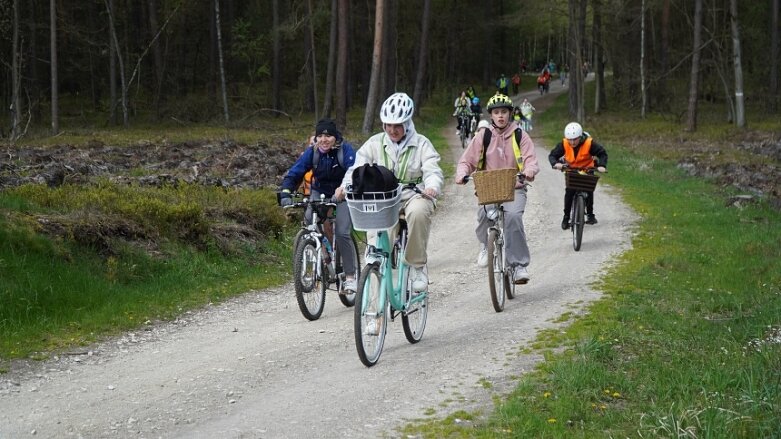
{"x":509,"y":147}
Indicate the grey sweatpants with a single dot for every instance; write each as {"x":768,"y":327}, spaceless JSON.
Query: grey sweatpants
{"x":516,"y":249}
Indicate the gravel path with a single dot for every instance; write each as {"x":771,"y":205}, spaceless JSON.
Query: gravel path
{"x":253,"y":367}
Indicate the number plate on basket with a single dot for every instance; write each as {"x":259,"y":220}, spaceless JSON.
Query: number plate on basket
{"x":370,"y":208}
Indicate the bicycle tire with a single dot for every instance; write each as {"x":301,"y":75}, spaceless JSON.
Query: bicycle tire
{"x":368,"y":307}
{"x":310,"y":287}
{"x":413,"y":318}
{"x":296,"y":241}
{"x":509,"y":287}
{"x":347,"y":300}
{"x":462,"y":136}
{"x":496,"y":275}
{"x":579,"y":221}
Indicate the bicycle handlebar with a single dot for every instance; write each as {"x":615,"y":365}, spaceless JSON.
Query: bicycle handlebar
{"x":307,"y":201}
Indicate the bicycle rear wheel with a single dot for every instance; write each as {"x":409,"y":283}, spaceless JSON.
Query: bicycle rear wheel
{"x":347,"y":300}
{"x":370,"y":316}
{"x":414,"y":316}
{"x":578,"y":221}
{"x":308,"y":280}
{"x":496,"y":275}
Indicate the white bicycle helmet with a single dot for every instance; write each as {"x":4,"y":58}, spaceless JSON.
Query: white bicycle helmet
{"x":398,"y":108}
{"x":573,"y":130}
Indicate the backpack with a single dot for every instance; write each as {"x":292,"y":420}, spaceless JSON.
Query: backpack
{"x":487,"y":140}
{"x":373,"y":178}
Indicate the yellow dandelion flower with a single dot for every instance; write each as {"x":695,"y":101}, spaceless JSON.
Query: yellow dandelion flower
{"x":546,"y":395}
{"x":616,"y":395}
{"x":552,"y":421}
{"x":603,"y":407}
{"x":607,"y":391}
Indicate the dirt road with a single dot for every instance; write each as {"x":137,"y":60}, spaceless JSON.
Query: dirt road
{"x":255,"y":368}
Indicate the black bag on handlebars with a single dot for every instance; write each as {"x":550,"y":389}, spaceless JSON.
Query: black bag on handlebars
{"x":373,"y":178}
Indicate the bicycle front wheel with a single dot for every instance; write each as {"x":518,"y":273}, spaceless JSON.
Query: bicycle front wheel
{"x":462,"y":135}
{"x":579,"y":221}
{"x":496,"y":275}
{"x":348,"y":299}
{"x":308,"y":280}
{"x":371,"y":316}
{"x":413,"y":318}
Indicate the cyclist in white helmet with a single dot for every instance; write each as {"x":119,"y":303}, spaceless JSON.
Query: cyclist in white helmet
{"x":508,"y":147}
{"x":577,"y":149}
{"x":413,"y":159}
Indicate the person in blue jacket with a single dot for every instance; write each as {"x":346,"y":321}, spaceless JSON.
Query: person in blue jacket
{"x":329,"y":157}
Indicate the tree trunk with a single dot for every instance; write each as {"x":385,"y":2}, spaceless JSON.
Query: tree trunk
{"x":313,"y":58}
{"x":112,"y":70}
{"x":115,"y":40}
{"x":222,"y":61}
{"x":157,"y":55}
{"x":16,"y":77}
{"x":774,"y":42}
{"x":643,"y":93}
{"x":600,"y":101}
{"x":740,"y":107}
{"x":388,"y":71}
{"x":55,"y":84}
{"x":691,"y":119}
{"x":420,"y":75}
{"x":372,"y":97}
{"x":577,"y":78}
{"x":276,"y":62}
{"x":340,"y":105}
{"x":329,"y":75}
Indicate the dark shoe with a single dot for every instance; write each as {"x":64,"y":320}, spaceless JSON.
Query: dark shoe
{"x":565,"y":223}
{"x":591,"y":219}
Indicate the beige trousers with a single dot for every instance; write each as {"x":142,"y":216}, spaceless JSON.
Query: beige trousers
{"x":418,"y":212}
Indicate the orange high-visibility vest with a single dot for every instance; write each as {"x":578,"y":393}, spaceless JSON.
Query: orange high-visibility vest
{"x":584,"y":158}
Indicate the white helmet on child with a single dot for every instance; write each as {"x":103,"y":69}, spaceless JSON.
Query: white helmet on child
{"x":573,"y":130}
{"x":397,"y":109}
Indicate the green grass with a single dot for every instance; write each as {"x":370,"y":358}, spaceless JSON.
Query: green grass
{"x":686,"y":341}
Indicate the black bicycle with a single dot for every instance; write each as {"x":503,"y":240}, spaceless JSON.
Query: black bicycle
{"x":317,"y":261}
{"x":583,"y":181}
{"x":463,"y":131}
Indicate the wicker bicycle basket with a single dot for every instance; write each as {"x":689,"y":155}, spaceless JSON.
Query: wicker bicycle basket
{"x":495,"y":186}
{"x":580,"y":182}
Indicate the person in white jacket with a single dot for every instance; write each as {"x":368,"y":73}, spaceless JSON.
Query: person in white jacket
{"x":413,"y":159}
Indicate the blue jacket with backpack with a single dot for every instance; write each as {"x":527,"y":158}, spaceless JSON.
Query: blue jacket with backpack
{"x":329,"y":169}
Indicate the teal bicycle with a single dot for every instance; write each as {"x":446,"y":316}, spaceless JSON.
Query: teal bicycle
{"x":384,"y":286}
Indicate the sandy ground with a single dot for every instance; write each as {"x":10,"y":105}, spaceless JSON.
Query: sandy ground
{"x":253,"y":367}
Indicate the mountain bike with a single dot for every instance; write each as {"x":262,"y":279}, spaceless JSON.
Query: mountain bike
{"x":317,"y":261}
{"x":583,"y":181}
{"x":500,"y":282}
{"x":384,"y":286}
{"x":463,"y":130}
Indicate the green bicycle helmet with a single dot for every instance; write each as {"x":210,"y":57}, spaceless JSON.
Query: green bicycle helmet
{"x":499,"y":101}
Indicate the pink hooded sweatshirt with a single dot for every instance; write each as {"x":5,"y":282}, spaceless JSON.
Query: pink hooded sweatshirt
{"x":499,"y":154}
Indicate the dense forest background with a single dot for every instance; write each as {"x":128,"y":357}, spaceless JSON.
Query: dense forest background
{"x":97,"y":63}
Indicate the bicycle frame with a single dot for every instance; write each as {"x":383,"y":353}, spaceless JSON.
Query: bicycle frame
{"x":391,"y":288}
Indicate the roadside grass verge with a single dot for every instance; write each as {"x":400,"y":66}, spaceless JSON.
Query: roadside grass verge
{"x":686,"y":341}
{"x":82,"y":262}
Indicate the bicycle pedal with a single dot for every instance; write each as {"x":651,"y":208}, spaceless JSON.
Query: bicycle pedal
{"x":521,"y":282}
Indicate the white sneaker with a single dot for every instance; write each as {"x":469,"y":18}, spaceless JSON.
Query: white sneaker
{"x":350,"y":286}
{"x":520,"y":275}
{"x":419,"y":278}
{"x":482,"y":257}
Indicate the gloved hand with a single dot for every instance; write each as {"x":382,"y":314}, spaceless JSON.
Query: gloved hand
{"x":601,"y":169}
{"x":558,"y":166}
{"x":285,"y":201}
